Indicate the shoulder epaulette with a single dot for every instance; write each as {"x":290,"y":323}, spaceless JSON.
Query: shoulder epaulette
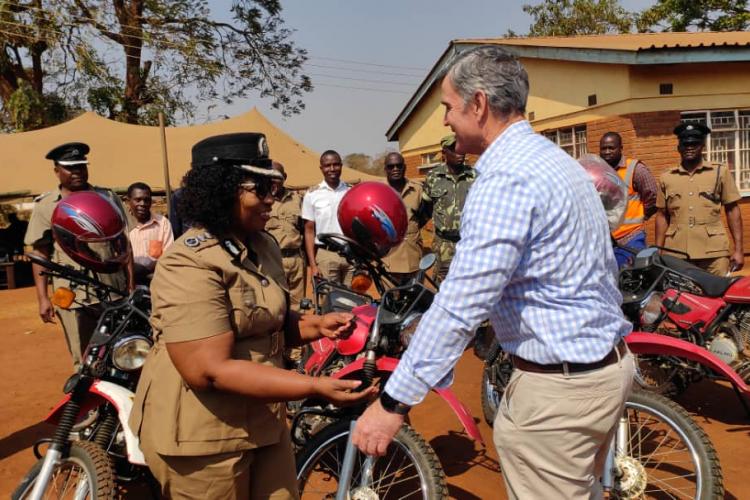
{"x":199,"y":239}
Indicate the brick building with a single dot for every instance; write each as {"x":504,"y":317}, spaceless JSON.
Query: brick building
{"x":640,"y":85}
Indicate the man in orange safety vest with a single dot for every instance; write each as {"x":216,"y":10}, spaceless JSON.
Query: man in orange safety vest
{"x":641,"y":197}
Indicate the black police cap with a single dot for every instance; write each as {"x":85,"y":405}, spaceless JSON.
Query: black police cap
{"x":70,"y":153}
{"x":691,"y":132}
{"x":248,"y":151}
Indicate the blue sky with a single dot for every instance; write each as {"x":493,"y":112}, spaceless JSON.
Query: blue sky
{"x":395,"y":42}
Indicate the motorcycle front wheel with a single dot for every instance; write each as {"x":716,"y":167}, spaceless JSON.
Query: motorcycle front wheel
{"x":666,"y":454}
{"x":410,"y":469}
{"x":85,"y":472}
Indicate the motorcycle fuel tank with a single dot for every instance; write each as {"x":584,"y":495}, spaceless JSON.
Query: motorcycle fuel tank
{"x":355,"y":343}
{"x":739,"y":291}
{"x":687,"y":310}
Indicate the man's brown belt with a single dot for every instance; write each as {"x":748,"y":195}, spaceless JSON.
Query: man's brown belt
{"x":616,"y":353}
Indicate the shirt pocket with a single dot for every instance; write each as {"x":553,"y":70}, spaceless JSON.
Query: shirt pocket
{"x":244,"y":310}
{"x":322,"y":207}
{"x":717,"y":239}
{"x":673,"y":201}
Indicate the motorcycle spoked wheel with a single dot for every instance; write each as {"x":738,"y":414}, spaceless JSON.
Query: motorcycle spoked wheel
{"x":495,"y":378}
{"x":410,"y":468}
{"x":86,"y":469}
{"x":656,"y":374}
{"x":667,"y":454}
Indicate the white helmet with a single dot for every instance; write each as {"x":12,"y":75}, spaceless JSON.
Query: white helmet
{"x":612,"y":190}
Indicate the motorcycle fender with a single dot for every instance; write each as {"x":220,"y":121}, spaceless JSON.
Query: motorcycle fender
{"x":389,"y":365}
{"x":121,"y":399}
{"x":662,"y":345}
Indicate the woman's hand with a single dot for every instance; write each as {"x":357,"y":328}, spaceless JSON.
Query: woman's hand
{"x":337,"y":325}
{"x":340,"y":392}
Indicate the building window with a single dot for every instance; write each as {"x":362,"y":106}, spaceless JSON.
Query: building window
{"x":429,"y":158}
{"x":728,"y":142}
{"x":572,"y":140}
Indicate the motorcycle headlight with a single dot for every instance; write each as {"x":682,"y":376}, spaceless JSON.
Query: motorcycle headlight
{"x":408,"y":327}
{"x":650,"y":311}
{"x":129,"y":354}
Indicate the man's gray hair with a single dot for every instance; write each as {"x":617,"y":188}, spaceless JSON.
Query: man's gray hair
{"x":497,"y":73}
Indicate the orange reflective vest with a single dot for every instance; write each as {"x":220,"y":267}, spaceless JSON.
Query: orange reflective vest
{"x":635,"y":213}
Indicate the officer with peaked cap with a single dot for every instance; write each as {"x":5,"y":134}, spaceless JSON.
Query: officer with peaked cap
{"x":79,"y":321}
{"x":209,"y":408}
{"x":689,"y":201}
{"x":444,"y":193}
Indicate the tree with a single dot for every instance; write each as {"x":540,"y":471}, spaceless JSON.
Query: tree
{"x":578,"y":17}
{"x":131,"y":59}
{"x":358,"y":161}
{"x":682,"y":15}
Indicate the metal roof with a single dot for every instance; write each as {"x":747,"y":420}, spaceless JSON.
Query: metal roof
{"x":635,"y":42}
{"x":631,"y":49}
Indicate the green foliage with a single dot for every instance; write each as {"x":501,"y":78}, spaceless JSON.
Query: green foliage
{"x":685,"y":15}
{"x":131,"y":59}
{"x":578,"y":17}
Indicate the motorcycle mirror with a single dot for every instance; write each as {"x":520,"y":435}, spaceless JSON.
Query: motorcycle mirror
{"x":427,"y":261}
{"x":646,"y":253}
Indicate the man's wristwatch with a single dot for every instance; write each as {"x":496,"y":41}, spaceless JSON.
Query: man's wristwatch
{"x":392,"y":405}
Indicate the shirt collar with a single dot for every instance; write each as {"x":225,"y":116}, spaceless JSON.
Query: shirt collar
{"x":151,"y":221}
{"x":506,"y":138}
{"x":324,"y":185}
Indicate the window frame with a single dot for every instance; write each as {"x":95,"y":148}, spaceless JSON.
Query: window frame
{"x":737,"y":168}
{"x":580,"y":148}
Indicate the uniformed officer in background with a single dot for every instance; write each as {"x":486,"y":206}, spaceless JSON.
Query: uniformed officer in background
{"x":78,"y":322}
{"x":403,"y":260}
{"x":689,"y":201}
{"x":209,"y":408}
{"x":445,"y":190}
{"x":286,"y":225}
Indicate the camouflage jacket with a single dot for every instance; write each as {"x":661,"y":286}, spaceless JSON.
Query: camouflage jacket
{"x":445,"y":195}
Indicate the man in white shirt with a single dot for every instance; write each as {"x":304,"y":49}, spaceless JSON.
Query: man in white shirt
{"x":151,"y":235}
{"x":319,"y":211}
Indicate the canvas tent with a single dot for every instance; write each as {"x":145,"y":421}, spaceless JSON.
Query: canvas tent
{"x":122,"y":153}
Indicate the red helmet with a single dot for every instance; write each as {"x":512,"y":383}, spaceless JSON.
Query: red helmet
{"x":374,"y":215}
{"x":91,"y":230}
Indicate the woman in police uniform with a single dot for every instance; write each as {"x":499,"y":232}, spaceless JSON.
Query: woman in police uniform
{"x":209,"y":408}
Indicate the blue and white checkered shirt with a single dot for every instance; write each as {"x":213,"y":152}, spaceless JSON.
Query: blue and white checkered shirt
{"x":535,"y":257}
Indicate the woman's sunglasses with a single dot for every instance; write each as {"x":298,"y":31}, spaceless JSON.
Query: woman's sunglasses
{"x":261,"y":188}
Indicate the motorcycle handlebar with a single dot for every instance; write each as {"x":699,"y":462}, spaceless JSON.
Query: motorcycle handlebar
{"x":58,"y":270}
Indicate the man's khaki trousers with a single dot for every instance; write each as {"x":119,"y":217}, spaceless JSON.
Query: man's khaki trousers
{"x":552,"y":431}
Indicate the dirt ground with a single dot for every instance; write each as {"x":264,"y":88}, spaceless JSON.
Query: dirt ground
{"x":34,"y":364}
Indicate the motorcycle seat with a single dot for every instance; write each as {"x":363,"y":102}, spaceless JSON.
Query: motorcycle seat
{"x":712,"y":285}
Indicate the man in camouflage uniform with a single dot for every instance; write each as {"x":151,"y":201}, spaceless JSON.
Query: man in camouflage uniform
{"x":285,"y":225}
{"x":444,"y":194}
{"x":78,"y":322}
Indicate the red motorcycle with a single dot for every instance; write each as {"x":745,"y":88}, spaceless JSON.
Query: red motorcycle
{"x":666,"y":295}
{"x":371,"y":353}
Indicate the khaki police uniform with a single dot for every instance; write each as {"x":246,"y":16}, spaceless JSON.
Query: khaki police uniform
{"x":213,"y":444}
{"x":284,"y":225}
{"x":404,"y":259}
{"x":447,"y":194}
{"x":695,"y":225}
{"x":78,"y":322}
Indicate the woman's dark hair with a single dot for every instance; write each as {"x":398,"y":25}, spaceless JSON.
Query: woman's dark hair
{"x":208,"y":196}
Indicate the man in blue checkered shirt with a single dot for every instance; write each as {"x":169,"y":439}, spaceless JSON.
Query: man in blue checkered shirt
{"x":535,"y":258}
